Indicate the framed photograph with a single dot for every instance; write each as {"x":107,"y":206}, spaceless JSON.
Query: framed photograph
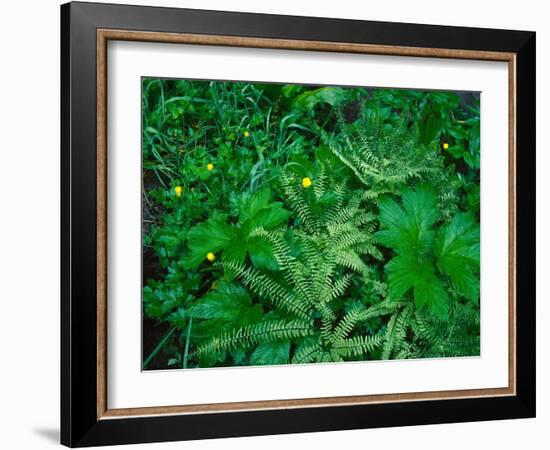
{"x":276,"y":224}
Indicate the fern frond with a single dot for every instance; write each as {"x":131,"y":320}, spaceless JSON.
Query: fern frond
{"x":264,"y":286}
{"x":356,"y":316}
{"x":260,"y":333}
{"x":339,"y":287}
{"x":352,"y":261}
{"x":358,"y":345}
{"x":382,"y":159}
{"x":307,"y":354}
{"x":395,"y":332}
{"x":293,"y":193}
{"x":320,"y":185}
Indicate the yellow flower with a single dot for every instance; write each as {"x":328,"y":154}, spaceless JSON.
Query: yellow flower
{"x":210,"y":256}
{"x":210,"y":167}
{"x":246,"y":133}
{"x":178,"y":190}
{"x":445,"y":146}
{"x":306,"y":182}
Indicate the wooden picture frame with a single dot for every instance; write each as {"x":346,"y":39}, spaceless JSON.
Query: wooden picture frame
{"x":86,"y":418}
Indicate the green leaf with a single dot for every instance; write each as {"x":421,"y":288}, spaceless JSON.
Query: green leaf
{"x":408,"y":229}
{"x":210,"y":236}
{"x":309,"y":99}
{"x":257,"y":211}
{"x":270,"y":217}
{"x":291,"y":89}
{"x":406,"y":272}
{"x":230,"y":303}
{"x":261,"y":253}
{"x":456,"y":150}
{"x":432,"y":128}
{"x":472,"y":197}
{"x":235,"y":250}
{"x":271,"y":353}
{"x":472,"y":161}
{"x":457,"y":250}
{"x":250,"y":205}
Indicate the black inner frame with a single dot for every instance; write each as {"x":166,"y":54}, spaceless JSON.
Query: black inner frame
{"x":79,"y":423}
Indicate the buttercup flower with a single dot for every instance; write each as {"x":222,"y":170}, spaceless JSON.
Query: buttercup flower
{"x":246,"y":133}
{"x":178,"y":190}
{"x":445,"y":146}
{"x":306,"y":182}
{"x":210,"y":166}
{"x":210,"y":256}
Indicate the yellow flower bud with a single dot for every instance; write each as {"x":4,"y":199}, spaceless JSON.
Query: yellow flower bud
{"x":306,"y":182}
{"x":178,"y":190}
{"x":210,"y":167}
{"x":210,"y":256}
{"x":445,"y":146}
{"x":246,"y":133}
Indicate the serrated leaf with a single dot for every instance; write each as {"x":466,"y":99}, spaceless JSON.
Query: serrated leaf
{"x":270,"y":217}
{"x":457,"y":250}
{"x":408,"y":228}
{"x":250,"y":205}
{"x":261,"y":253}
{"x":235,"y":250}
{"x":210,"y":236}
{"x":257,"y":211}
{"x":309,"y":99}
{"x":408,"y":231}
{"x":229,"y":303}
{"x":407,"y":272}
{"x":271,"y":353}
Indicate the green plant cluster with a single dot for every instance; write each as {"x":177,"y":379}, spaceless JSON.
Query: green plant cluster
{"x":294,"y":224}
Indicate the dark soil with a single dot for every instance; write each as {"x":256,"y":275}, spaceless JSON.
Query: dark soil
{"x":152,"y":331}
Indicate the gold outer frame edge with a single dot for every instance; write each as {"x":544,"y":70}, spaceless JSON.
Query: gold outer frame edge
{"x":103,"y":36}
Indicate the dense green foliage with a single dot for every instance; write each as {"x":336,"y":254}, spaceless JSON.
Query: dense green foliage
{"x":294,"y":224}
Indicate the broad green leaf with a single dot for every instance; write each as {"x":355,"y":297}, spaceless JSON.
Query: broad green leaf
{"x":261,"y":253}
{"x":308,"y":100}
{"x":291,"y":89}
{"x":406,"y":272}
{"x":257,"y":211}
{"x":271,"y":353}
{"x":235,"y":250}
{"x":408,"y":228}
{"x":457,"y":250}
{"x":169,"y":241}
{"x":270,"y":217}
{"x":230,"y":304}
{"x":252,"y":204}
{"x":456,"y":150}
{"x":432,"y":129}
{"x":472,"y":161}
{"x":210,"y":236}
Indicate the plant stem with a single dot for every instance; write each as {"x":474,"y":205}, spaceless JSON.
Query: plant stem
{"x":186,"y":352}
{"x":159,"y":346}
